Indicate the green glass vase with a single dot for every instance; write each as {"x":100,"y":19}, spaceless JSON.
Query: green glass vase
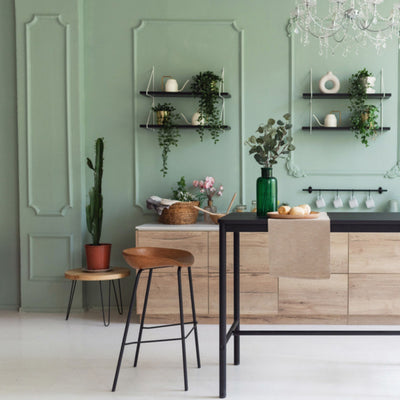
{"x":267,"y":192}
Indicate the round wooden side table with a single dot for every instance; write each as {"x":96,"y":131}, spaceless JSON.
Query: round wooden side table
{"x":114,"y":273}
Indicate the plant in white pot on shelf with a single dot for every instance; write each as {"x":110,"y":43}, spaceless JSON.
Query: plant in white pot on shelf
{"x":97,"y":254}
{"x":363,"y":117}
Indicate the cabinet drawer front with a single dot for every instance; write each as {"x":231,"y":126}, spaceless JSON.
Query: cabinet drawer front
{"x":195,"y":242}
{"x":313,"y":296}
{"x":339,"y":253}
{"x":374,"y":253}
{"x":163,"y":297}
{"x":374,"y":294}
{"x":253,"y":252}
{"x":258,"y":294}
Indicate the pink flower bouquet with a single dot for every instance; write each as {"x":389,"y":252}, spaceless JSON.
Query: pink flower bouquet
{"x":207,"y":188}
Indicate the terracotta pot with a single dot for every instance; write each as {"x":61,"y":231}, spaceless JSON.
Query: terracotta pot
{"x":98,"y":257}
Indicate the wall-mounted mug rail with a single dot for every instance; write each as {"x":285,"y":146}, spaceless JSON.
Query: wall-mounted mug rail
{"x":310,"y":189}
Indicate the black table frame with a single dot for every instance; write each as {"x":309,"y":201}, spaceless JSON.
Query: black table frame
{"x":249,"y":222}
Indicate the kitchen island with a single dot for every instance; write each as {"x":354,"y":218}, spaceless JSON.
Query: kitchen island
{"x":363,"y":288}
{"x":356,"y":225}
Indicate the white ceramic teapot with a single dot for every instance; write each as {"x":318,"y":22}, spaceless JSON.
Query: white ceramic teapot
{"x":330,"y":120}
{"x":171,"y":85}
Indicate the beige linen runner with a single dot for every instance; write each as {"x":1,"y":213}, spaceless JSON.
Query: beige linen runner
{"x":299,"y":248}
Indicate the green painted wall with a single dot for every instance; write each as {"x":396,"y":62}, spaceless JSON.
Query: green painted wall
{"x":9,"y":265}
{"x":260,"y":71}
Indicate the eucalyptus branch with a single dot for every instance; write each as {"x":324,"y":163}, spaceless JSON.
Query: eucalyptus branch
{"x":273,"y":143}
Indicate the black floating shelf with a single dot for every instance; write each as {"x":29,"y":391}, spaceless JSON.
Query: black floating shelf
{"x":179,"y":94}
{"x":339,"y":128}
{"x":225,"y":127}
{"x":344,"y":95}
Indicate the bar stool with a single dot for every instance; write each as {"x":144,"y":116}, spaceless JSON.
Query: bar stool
{"x":150,"y":258}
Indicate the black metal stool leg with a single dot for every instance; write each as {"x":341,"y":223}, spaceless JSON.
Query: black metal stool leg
{"x":128,"y":318}
{"x":119,"y":303}
{"x":183,"y":339}
{"x":143,"y":316}
{"x":71,"y":297}
{"x":102,"y":303}
{"x":196,"y":338}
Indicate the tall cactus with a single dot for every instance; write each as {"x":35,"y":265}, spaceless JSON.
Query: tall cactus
{"x":94,"y":210}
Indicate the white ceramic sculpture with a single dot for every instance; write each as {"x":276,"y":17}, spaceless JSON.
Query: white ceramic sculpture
{"x":329,"y":77}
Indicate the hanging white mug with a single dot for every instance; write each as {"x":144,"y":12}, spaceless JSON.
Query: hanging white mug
{"x":320,"y":202}
{"x":369,"y":203}
{"x":337,"y":202}
{"x":353,"y":202}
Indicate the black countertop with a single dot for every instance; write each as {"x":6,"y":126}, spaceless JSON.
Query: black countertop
{"x":340,"y":222}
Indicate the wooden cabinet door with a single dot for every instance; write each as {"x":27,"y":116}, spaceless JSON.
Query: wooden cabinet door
{"x":313,"y":296}
{"x":163,"y":297}
{"x":258,"y":294}
{"x":253,"y":252}
{"x":374,"y":253}
{"x":374,"y":294}
{"x":258,"y":290}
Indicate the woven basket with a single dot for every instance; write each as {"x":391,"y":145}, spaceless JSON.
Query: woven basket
{"x":181,"y":213}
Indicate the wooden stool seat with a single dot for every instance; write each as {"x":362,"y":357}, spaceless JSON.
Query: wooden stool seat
{"x":157,"y":257}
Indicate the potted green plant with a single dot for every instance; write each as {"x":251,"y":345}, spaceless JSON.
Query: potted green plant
{"x":274,"y":142}
{"x":97,"y":254}
{"x":181,"y":212}
{"x":168,"y":133}
{"x":205,"y":86}
{"x":363,"y":117}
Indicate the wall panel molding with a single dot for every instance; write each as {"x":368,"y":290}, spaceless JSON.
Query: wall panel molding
{"x":293,"y":169}
{"x":52,"y":239}
{"x":49,"y":67}
{"x":136,"y":88}
{"x":30,"y":27}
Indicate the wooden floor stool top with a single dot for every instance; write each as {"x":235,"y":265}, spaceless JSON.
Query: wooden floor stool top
{"x":80,"y":274}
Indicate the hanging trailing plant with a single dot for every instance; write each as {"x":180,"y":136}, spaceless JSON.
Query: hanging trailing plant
{"x":205,"y":86}
{"x":168,"y":133}
{"x":363,"y":117}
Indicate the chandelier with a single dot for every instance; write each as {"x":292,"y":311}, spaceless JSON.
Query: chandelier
{"x":349,"y":23}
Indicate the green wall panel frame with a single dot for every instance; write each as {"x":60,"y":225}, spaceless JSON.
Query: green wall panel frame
{"x":50,"y":155}
{"x":237,"y":46}
{"x":54,"y":146}
{"x":371,"y":62}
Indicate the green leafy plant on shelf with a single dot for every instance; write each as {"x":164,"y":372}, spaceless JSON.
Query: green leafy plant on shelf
{"x":181,"y":193}
{"x":205,"y":85}
{"x":363,"y":117}
{"x":168,"y":133}
{"x":273,"y":142}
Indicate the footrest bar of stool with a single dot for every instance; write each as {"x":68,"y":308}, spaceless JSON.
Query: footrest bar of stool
{"x":166,"y":326}
{"x":161,"y":340}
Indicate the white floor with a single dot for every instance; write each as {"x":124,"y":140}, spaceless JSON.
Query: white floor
{"x":42,"y":356}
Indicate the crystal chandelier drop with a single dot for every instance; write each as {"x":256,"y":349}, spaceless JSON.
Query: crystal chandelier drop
{"x":349,"y":24}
